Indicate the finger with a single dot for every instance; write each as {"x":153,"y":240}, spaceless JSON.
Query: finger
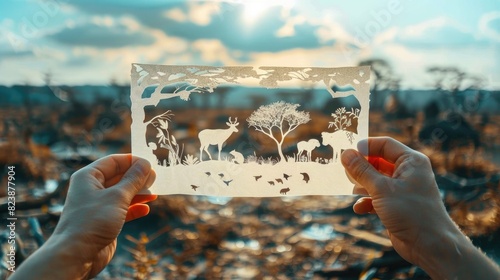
{"x":137,"y":211}
{"x":143,"y":198}
{"x":107,"y":168}
{"x":363,"y":172}
{"x":363,"y":206}
{"x":113,"y":181}
{"x":382,"y":165}
{"x":350,"y":178}
{"x":138,"y":177}
{"x":385,"y":147}
{"x":359,"y":190}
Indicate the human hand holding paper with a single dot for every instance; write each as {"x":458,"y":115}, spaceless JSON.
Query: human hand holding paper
{"x":405,"y":196}
{"x":101,"y":197}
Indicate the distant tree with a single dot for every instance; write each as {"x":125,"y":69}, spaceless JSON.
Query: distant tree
{"x":455,"y":82}
{"x":278,"y":118}
{"x":122,"y":91}
{"x":384,"y":79}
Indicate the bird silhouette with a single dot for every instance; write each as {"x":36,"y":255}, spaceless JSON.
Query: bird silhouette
{"x":257,"y":177}
{"x":306,"y":177}
{"x":208,"y":173}
{"x":221,"y":175}
{"x":279,"y":180}
{"x":194,"y":187}
{"x":227,"y":182}
{"x":271,"y":183}
{"x":286,"y":176}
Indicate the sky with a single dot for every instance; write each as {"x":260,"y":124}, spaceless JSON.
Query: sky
{"x":94,"y":42}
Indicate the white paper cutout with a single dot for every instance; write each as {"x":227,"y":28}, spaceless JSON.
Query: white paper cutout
{"x":271,"y":131}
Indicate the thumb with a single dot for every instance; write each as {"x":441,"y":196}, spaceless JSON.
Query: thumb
{"x":362,"y":171}
{"x":138,"y":177}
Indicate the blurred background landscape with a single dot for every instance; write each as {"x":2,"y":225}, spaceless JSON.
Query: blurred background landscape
{"x":64,"y":102}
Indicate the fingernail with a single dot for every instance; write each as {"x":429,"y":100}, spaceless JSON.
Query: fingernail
{"x":348,"y":156}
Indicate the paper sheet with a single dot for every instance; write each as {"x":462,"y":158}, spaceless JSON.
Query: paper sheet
{"x":248,"y":131}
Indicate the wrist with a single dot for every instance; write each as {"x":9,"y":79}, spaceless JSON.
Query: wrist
{"x":67,"y":257}
{"x":440,"y":253}
{"x":58,"y":258}
{"x":451,"y":255}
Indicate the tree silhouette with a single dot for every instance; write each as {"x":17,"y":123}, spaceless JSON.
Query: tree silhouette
{"x":277,"y":118}
{"x":152,"y":83}
{"x":176,"y":82}
{"x":455,"y":82}
{"x":343,"y":120}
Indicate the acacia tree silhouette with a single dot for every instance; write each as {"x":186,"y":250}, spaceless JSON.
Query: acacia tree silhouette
{"x":278,"y":118}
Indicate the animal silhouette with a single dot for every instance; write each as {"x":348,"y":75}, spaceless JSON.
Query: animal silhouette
{"x":308,"y":147}
{"x":227,"y":182}
{"x":286,"y":176}
{"x":221,"y":175}
{"x":338,"y":141}
{"x":208,"y":173}
{"x":279,"y":181}
{"x":217,"y":137}
{"x":284,"y":191}
{"x":257,"y":177}
{"x":194,"y":187}
{"x":238,"y":157}
{"x":271,"y":183}
{"x":305,"y":177}
{"x":160,"y":153}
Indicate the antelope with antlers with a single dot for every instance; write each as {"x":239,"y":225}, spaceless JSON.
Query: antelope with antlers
{"x":216,"y":137}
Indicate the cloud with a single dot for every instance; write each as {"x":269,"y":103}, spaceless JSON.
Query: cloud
{"x":326,"y":56}
{"x":411,"y":64}
{"x":217,"y":20}
{"x":231,"y":30}
{"x":489,"y":25}
{"x":198,"y":13}
{"x":213,"y":51}
{"x":436,"y":32}
{"x":288,"y":29}
{"x":176,"y":14}
{"x":103,"y":32}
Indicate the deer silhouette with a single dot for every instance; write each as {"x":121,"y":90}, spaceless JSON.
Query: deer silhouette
{"x":216,"y":137}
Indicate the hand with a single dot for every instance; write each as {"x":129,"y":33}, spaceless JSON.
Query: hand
{"x":404,"y":194}
{"x":101,"y":197}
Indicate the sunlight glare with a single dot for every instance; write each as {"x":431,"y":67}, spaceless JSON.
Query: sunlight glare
{"x":253,"y":10}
